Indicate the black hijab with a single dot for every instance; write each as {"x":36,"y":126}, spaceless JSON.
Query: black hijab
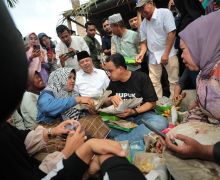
{"x":189,"y":10}
{"x":13,"y":69}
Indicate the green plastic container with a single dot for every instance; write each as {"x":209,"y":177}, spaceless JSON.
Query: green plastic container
{"x":129,"y":60}
{"x":161,"y":109}
{"x":108,"y":117}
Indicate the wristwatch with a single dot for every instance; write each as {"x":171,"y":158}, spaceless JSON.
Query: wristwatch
{"x":49,"y":133}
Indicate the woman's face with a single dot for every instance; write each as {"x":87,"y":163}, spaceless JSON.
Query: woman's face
{"x":187,"y":58}
{"x":70,"y":82}
{"x":33,"y":39}
{"x":45,"y":41}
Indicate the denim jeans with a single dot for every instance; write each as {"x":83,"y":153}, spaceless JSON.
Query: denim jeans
{"x":157,"y":121}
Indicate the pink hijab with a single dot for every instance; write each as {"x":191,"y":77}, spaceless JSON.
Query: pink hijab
{"x":202,"y":37}
{"x":35,"y":64}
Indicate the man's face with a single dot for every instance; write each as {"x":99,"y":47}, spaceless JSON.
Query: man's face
{"x":91,"y":30}
{"x":86,"y":65}
{"x":133,"y":23}
{"x":114,"y":73}
{"x":147,"y":10}
{"x":106,"y":26}
{"x":115,"y":29}
{"x":65,"y":37}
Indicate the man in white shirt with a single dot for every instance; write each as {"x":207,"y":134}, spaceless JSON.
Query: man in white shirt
{"x":67,"y":48}
{"x":90,"y":82}
{"x":158,"y":34}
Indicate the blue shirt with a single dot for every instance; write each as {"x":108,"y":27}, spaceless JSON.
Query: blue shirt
{"x":50,"y":108}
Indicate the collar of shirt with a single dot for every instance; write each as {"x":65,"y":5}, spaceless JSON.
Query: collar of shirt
{"x":84,"y":73}
{"x":154,"y":16}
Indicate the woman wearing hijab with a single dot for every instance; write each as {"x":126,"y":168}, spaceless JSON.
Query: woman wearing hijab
{"x":57,"y":100}
{"x":200,"y":42}
{"x":37,"y":57}
{"x":189,"y":10}
{"x":17,"y":146}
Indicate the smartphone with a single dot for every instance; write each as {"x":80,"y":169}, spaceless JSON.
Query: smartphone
{"x":71,"y":127}
{"x":36,"y":47}
{"x":70,"y":54}
{"x":158,"y":132}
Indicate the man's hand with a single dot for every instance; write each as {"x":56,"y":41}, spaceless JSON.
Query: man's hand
{"x":126,"y":113}
{"x":190,"y":148}
{"x":71,"y":49}
{"x":139,"y":58}
{"x":164,"y":59}
{"x":115,"y":100}
{"x":63,"y":58}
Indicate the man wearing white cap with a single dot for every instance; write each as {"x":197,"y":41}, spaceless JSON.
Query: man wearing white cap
{"x":157,"y":35}
{"x":124,"y":41}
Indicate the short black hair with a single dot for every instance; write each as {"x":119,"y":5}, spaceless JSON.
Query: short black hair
{"x":117,"y":59}
{"x":89,"y":23}
{"x":105,"y":19}
{"x":73,"y":71}
{"x":61,"y":28}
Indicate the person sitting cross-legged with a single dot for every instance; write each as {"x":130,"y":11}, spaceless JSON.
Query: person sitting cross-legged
{"x":127,"y":84}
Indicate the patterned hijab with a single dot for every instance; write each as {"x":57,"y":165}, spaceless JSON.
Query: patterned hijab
{"x":203,"y":40}
{"x":58,"y":81}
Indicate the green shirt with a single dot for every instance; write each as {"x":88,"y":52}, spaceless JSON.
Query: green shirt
{"x":95,"y":50}
{"x":127,"y":45}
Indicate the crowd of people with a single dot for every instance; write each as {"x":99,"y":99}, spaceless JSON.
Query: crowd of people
{"x":56,"y":83}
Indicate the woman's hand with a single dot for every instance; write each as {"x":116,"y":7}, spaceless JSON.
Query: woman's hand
{"x":51,"y":56}
{"x":61,"y":128}
{"x":190,"y":148}
{"x":85,"y":101}
{"x":99,"y":147}
{"x":74,"y":140}
{"x":95,"y":164}
{"x":160,"y":145}
{"x":35,"y":53}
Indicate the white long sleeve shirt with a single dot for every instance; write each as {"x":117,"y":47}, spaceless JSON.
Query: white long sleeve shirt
{"x":79,"y":44}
